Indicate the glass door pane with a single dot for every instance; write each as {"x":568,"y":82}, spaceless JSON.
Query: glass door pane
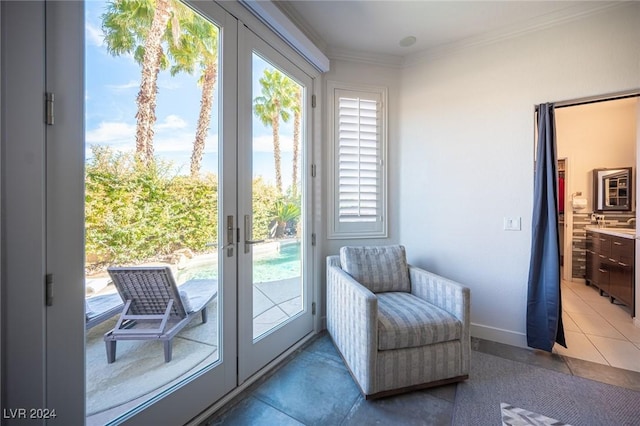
{"x":276,"y":198}
{"x":275,"y":303}
{"x":155,"y":222}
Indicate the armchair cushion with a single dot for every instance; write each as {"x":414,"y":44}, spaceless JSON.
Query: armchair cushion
{"x":406,"y":321}
{"x":379,"y":269}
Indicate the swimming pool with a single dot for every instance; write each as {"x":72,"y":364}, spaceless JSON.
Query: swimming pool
{"x":279,"y":265}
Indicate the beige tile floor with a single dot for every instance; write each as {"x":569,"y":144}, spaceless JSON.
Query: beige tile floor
{"x":597,"y":330}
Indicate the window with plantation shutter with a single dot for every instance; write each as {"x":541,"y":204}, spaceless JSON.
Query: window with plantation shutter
{"x":358,"y":151}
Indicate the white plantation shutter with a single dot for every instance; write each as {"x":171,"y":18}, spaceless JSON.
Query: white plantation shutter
{"x":358,"y":159}
{"x":359,"y":149}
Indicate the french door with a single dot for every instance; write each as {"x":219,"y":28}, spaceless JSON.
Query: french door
{"x":260,"y":249}
{"x":275,"y":308}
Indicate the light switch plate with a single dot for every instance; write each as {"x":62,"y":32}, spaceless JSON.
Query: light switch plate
{"x":512,"y":223}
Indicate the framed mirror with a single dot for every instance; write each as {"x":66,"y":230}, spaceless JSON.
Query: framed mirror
{"x":612,"y":189}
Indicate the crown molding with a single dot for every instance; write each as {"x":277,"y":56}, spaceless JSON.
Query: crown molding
{"x":368,"y":58}
{"x":297,"y":19}
{"x":514,"y":31}
{"x":572,"y":13}
{"x":289,"y":32}
{"x":335,"y":53}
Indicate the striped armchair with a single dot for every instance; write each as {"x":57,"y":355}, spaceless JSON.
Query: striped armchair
{"x":397,"y":327}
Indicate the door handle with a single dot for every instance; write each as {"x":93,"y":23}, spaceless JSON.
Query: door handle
{"x":230,"y":242}
{"x":248,"y":230}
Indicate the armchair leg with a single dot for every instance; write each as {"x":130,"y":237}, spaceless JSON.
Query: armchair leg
{"x":204,"y":315}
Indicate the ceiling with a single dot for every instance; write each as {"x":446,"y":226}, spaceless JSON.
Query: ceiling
{"x":375,"y":28}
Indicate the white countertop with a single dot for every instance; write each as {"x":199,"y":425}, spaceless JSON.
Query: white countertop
{"x":618,"y":232}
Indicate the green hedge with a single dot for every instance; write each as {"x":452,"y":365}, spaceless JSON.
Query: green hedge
{"x":135,"y":213}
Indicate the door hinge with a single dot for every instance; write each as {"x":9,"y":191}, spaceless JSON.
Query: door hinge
{"x":48,"y":289}
{"x":313,"y":170}
{"x":313,"y":308}
{"x":313,"y":239}
{"x":313,"y":101}
{"x":49,"y":119}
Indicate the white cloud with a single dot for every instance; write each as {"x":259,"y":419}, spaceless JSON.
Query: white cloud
{"x":171,"y":136}
{"x":172,"y":121}
{"x":93,"y":35}
{"x":112,"y":133}
{"x":131,"y":84}
{"x":264,"y":143}
{"x":174,"y":142}
{"x":181,"y":141}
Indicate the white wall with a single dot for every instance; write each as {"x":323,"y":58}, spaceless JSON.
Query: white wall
{"x":593,"y":136}
{"x":466,"y":151}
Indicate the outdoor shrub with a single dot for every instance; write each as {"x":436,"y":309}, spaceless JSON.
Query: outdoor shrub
{"x":136,"y":213}
{"x":264,"y":199}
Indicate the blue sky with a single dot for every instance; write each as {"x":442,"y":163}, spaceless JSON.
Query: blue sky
{"x":112,"y":84}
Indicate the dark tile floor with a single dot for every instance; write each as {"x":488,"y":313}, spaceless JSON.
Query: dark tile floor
{"x":313,"y":387}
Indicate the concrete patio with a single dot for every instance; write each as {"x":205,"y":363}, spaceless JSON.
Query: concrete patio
{"x":140,"y":372}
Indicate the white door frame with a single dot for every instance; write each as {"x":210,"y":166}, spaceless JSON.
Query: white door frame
{"x":567,"y":249}
{"x":636,"y":181}
{"x":203,"y":389}
{"x":255,"y":354}
{"x":65,"y":366}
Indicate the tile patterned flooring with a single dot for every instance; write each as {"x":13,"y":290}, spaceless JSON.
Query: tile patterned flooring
{"x":313,"y":387}
{"x":597,"y":330}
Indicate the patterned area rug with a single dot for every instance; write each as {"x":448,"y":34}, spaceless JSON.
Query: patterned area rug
{"x":571,"y":399}
{"x":514,"y":416}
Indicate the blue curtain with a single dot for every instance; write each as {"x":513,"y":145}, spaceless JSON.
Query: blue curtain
{"x":544,"y":308}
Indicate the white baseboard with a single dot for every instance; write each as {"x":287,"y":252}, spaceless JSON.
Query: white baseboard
{"x":508,"y":337}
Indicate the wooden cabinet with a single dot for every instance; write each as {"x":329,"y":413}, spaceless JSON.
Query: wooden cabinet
{"x":598,"y":249}
{"x":610,"y":266}
{"x":621,"y":271}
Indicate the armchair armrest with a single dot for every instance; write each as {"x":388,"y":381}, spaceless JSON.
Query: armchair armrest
{"x":446,"y":294}
{"x":352,"y":321}
{"x":449,"y":295}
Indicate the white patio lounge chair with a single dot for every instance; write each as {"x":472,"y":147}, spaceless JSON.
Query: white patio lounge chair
{"x":155,"y":308}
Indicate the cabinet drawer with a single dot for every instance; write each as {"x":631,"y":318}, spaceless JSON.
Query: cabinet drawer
{"x":602,"y":244}
{"x":601,"y":278}
{"x":621,"y":284}
{"x":623,"y":250}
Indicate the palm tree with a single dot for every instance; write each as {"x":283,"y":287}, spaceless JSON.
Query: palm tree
{"x":274,"y":103}
{"x":138,"y":27}
{"x":285,"y":211}
{"x":297,"y":109}
{"x":196,"y":46}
